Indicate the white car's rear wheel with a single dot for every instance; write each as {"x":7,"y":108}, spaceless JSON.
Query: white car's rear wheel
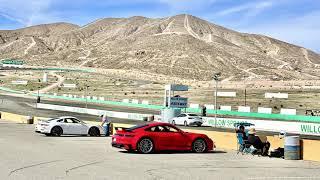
{"x":56,"y":131}
{"x":173,"y":122}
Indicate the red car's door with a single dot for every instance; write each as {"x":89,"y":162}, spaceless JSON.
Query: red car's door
{"x":168,"y":138}
{"x":177,"y":139}
{"x":161,"y":137}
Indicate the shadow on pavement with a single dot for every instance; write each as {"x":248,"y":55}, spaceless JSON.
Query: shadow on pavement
{"x":173,"y":152}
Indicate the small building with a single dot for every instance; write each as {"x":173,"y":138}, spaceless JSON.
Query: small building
{"x":12,"y":63}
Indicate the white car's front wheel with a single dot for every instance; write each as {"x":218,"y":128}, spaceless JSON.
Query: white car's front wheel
{"x":173,"y":122}
{"x":185,"y":123}
{"x":94,"y":131}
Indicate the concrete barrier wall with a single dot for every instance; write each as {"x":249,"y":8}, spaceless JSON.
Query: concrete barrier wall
{"x":97,"y":112}
{"x":310,"y":150}
{"x":266,"y":125}
{"x":14,"y":117}
{"x":288,"y":111}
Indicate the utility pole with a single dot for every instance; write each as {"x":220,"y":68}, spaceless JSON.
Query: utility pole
{"x":245,"y":89}
{"x":38,"y":97}
{"x":216,"y":79}
{"x":245,"y":97}
{"x":87,"y":96}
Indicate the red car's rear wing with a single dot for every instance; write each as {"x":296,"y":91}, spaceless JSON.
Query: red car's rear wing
{"x":121,"y":129}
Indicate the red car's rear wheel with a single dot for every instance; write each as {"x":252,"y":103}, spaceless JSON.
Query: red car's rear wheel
{"x":145,"y":146}
{"x":199,"y":146}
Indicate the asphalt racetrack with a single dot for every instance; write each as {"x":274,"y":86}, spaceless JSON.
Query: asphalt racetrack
{"x":28,"y":155}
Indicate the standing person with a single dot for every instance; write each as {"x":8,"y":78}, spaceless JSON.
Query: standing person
{"x":204,"y":110}
{"x":105,"y":123}
{"x":38,"y":99}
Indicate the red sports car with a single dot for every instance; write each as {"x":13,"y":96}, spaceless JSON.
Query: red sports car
{"x":148,"y":138}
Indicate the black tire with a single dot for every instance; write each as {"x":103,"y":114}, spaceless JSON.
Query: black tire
{"x":47,"y":134}
{"x":173,"y":122}
{"x":199,"y":146}
{"x":198,"y":125}
{"x":56,"y":131}
{"x":94,"y":131}
{"x":185,"y":123}
{"x":145,"y":146}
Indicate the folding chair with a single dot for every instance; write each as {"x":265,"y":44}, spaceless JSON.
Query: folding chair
{"x":242,"y":146}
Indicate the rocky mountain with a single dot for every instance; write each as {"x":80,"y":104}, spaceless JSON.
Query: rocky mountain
{"x":181,"y":46}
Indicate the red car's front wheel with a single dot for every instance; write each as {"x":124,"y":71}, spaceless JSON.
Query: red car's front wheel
{"x":199,"y":146}
{"x":145,"y":146}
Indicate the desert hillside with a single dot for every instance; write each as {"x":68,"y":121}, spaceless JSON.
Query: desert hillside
{"x":182,"y":46}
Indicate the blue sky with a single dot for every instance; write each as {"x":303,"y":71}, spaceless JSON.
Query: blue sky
{"x":294,"y":21}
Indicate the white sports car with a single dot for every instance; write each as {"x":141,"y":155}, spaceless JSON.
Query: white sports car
{"x":67,"y":125}
{"x":187,"y":119}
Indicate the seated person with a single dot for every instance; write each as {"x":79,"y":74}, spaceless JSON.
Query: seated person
{"x":256,"y":142}
{"x":241,"y":130}
{"x":157,"y":129}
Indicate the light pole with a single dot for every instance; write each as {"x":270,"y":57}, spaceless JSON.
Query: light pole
{"x":216,"y":79}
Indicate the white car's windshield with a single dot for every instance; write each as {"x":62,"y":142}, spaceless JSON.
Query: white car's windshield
{"x":51,"y":119}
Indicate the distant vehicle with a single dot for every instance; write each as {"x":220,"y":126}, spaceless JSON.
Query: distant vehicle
{"x":67,"y":125}
{"x":148,"y":138}
{"x":187,"y":119}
